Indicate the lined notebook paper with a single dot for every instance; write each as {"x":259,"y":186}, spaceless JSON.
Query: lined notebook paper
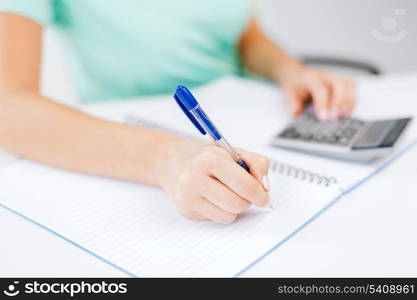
{"x":6,"y":158}
{"x":137,"y":227}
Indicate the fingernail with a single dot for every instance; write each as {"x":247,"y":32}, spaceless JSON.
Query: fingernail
{"x":322,"y":115}
{"x":265,"y":182}
{"x":333,"y":114}
{"x":328,"y":115}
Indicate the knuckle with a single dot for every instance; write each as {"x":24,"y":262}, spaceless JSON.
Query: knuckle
{"x":186,"y":179}
{"x":206,"y":159}
{"x":219,"y":153}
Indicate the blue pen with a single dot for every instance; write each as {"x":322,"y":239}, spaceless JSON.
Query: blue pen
{"x":195,"y":113}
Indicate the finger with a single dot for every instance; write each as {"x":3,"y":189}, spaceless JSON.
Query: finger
{"x":351,"y":97}
{"x":296,"y":104}
{"x":223,"y":197}
{"x":193,"y":215}
{"x":227,"y":171}
{"x":338,"y":98}
{"x":321,"y":98}
{"x":213,"y":212}
{"x":258,"y":166}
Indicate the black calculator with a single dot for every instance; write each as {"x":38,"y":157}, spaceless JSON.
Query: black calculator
{"x":345,"y":138}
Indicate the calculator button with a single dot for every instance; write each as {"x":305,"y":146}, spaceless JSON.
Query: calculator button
{"x":340,"y":132}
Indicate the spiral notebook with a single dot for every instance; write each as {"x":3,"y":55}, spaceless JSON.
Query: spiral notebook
{"x":137,"y":229}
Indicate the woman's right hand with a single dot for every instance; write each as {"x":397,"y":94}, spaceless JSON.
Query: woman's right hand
{"x":207,"y":184}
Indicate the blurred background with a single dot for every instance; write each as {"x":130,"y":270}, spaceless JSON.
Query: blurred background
{"x":379,"y":33}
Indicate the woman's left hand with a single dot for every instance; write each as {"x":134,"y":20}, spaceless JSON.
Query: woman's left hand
{"x":332,"y":96}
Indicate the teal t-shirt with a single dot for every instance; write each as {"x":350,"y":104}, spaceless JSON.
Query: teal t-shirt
{"x":128,"y":48}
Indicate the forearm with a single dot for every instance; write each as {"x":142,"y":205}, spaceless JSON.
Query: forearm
{"x":261,"y":56}
{"x":39,"y":129}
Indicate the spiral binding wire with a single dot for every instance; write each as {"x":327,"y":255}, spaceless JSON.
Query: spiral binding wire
{"x":136,"y":121}
{"x":302,"y":174}
{"x":276,"y":166}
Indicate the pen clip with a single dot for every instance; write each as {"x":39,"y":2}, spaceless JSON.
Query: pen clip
{"x":189,"y":115}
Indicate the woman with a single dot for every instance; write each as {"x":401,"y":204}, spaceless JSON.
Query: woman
{"x":135,"y":48}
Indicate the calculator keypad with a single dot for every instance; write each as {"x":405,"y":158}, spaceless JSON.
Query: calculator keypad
{"x":340,"y":132}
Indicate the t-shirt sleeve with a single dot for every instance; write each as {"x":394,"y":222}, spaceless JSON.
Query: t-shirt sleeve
{"x":39,"y":11}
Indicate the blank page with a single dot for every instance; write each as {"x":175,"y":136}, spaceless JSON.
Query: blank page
{"x":138,"y":229}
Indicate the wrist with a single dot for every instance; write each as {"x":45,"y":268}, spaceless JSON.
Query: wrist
{"x":169,"y":158}
{"x":285,"y":71}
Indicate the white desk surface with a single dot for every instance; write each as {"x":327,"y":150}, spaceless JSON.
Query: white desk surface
{"x":369,"y":232}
